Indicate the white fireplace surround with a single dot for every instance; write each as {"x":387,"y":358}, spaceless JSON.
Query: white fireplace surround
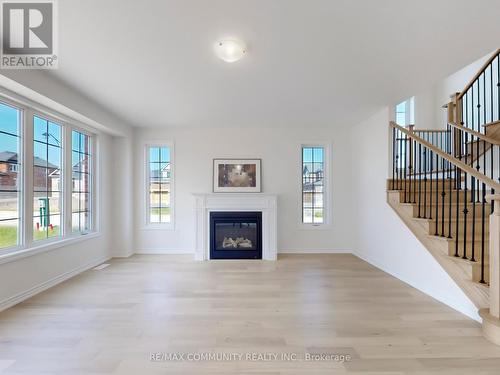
{"x":259,"y":202}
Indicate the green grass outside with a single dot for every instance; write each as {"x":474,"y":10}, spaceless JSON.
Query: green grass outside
{"x":164,"y":211}
{"x":8,"y":235}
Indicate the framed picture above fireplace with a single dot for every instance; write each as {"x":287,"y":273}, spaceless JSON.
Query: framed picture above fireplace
{"x":237,"y":176}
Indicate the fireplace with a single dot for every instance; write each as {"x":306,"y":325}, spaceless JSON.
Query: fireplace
{"x":235,"y":235}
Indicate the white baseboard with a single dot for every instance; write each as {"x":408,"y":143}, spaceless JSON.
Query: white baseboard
{"x":20,"y":297}
{"x":146,"y":251}
{"x":313,"y":251}
{"x":164,"y":251}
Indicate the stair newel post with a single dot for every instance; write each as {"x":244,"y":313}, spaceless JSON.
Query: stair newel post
{"x":491,"y":316}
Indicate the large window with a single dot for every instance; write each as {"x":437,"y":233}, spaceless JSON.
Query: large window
{"x":10,"y":175}
{"x":313,"y":185}
{"x":81,"y":170}
{"x":47,"y":179}
{"x":159,"y":184}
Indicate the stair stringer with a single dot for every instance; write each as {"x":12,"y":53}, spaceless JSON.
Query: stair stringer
{"x":459,"y":270}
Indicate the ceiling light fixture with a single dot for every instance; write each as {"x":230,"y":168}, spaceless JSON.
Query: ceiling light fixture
{"x":230,"y":50}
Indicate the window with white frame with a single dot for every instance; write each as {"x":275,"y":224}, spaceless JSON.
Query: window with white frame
{"x":37,"y":152}
{"x":314,"y":197}
{"x":81,"y":200}
{"x":10,"y":176}
{"x":159,"y":184}
{"x":405,"y":112}
{"x":47,"y":178}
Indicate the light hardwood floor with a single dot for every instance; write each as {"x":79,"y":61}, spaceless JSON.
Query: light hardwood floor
{"x":110,"y":321}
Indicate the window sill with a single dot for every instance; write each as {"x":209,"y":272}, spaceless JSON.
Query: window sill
{"x":45,"y":247}
{"x":158,"y":227}
{"x":315,"y":226}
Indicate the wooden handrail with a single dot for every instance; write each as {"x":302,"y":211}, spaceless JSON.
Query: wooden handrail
{"x":478,"y":74}
{"x":491,"y":123}
{"x":464,"y":167}
{"x":476,"y":134}
{"x":430,"y":130}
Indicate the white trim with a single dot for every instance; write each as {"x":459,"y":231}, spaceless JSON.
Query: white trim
{"x":313,"y":251}
{"x":42,"y":248}
{"x":14,"y":300}
{"x":152,"y":251}
{"x":260,"y":202}
{"x":327,"y":188}
{"x":147,"y":225}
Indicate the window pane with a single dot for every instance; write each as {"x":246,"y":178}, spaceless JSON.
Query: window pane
{"x":81,"y":204}
{"x":40,"y":130}
{"x":10,"y":177}
{"x":9,"y":208}
{"x":313,"y":162}
{"x":164,"y":154}
{"x":159,"y":184}
{"x":307,"y":215}
{"x":8,"y":233}
{"x":154,"y":155}
{"x":9,"y":119}
{"x":47,"y":187}
{"x":54,"y":134}
{"x":318,"y":215}
{"x":75,"y":141}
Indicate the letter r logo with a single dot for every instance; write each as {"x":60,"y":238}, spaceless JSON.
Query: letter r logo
{"x":27,"y":28}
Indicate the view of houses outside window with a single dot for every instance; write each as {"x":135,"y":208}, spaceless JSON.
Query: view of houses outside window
{"x":81,"y":206}
{"x":47,"y":187}
{"x":159,"y":184}
{"x":313,"y":185}
{"x":10,"y":177}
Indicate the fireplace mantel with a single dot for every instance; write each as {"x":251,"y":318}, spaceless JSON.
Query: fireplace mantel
{"x":265,"y":203}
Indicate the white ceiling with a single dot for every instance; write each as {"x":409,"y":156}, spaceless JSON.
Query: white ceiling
{"x":309,"y":62}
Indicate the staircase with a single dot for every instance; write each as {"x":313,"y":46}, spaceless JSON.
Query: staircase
{"x":443,"y":185}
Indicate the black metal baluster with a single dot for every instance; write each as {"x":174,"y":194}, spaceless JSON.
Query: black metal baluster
{"x":473,"y":196}
{"x":483,"y":209}
{"x":457,"y":216}
{"x":414,"y":170}
{"x":491,"y":91}
{"x":393,"y":159}
{"x":437,"y":196}
{"x":419,"y":178}
{"x":404,"y":163}
{"x":482,"y":281}
{"x":425,"y":181}
{"x":409,"y":168}
{"x":431,"y":159}
{"x":449,"y":202}
{"x":465,"y":211}
{"x":443,"y":194}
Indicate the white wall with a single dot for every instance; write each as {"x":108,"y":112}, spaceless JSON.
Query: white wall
{"x":279,"y":149}
{"x":456,"y":82}
{"x":381,"y":237}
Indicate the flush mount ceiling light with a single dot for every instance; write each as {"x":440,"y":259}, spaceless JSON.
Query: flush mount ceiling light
{"x":230,"y":50}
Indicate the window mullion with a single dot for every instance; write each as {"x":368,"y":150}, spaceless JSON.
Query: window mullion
{"x":27,"y":189}
{"x":67,"y":180}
